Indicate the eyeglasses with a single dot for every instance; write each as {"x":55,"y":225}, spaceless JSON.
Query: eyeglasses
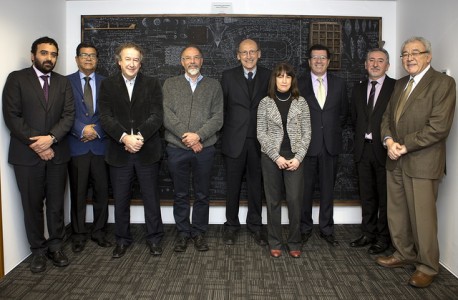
{"x":191,"y":58}
{"x":319,"y":57}
{"x":88,"y":55}
{"x":246,"y":53}
{"x":414,"y":54}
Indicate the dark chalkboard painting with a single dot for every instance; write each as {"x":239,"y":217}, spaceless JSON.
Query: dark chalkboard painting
{"x":281,"y":38}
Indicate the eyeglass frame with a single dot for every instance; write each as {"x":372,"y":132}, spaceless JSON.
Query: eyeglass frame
{"x":319,"y":57}
{"x":246,"y":53}
{"x":191,"y":58}
{"x":414,"y":54}
{"x":88,"y":55}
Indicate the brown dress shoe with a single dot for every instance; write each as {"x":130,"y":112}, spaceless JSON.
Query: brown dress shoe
{"x":295,"y":253}
{"x":390,"y":262}
{"x":420,"y":279}
{"x":275,"y":253}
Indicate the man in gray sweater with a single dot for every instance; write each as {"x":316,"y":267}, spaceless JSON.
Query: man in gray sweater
{"x":193,"y":114}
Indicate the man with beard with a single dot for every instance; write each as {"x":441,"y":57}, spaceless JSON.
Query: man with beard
{"x":38,"y":110}
{"x":193,"y":114}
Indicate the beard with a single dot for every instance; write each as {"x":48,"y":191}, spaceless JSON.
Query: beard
{"x":44,"y":67}
{"x":193,"y":71}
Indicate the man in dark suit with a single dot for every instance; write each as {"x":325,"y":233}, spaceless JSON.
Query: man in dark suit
{"x":369,"y":100}
{"x":86,"y":139}
{"x":131,"y":115}
{"x":414,"y":129}
{"x":243,"y":88}
{"x":38,"y":110}
{"x":327,"y":98}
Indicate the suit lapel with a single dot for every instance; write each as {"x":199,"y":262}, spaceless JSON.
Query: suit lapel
{"x":424,"y":82}
{"x":123,"y":89}
{"x":241,"y":81}
{"x":36,"y":85}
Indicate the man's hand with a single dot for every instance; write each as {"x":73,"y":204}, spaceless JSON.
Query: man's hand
{"x":395,"y":150}
{"x":89,"y":133}
{"x":47,"y":154}
{"x":282,"y":163}
{"x":293,"y":164}
{"x":133,"y":143}
{"x":197,"y":147}
{"x":42,"y":142}
{"x":190,"y":139}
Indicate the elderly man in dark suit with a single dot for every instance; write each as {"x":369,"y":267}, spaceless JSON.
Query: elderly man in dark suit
{"x":38,"y":110}
{"x":131,"y":115}
{"x":87,"y":166}
{"x":243,"y":88}
{"x":414,"y":129}
{"x":326,"y":96}
{"x":369,"y":100}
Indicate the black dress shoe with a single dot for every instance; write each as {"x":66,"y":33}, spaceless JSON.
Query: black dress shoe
{"x":78,"y":246}
{"x":229,"y":237}
{"x":58,"y":258}
{"x":181,"y":244}
{"x":330,"y":239}
{"x":361,"y":241}
{"x":259,"y":238}
{"x":119,"y":250}
{"x":305,"y":237}
{"x":155,"y":249}
{"x":102,"y":242}
{"x":38,"y":263}
{"x":200,"y":243}
{"x":378,"y":247}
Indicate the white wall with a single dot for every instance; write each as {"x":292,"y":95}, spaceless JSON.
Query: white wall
{"x":438,"y":24}
{"x":20,"y":25}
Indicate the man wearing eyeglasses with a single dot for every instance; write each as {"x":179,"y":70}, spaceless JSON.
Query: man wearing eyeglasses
{"x":326,"y":96}
{"x":193,"y":114}
{"x":38,"y":109}
{"x":414,"y":130}
{"x":87,"y":168}
{"x":243,"y":87}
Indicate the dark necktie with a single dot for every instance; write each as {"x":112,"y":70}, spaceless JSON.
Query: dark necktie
{"x":45,"y":86}
{"x":370,"y":106}
{"x":250,"y":76}
{"x":88,"y":96}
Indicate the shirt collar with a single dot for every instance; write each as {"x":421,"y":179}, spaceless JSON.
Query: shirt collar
{"x":199,"y":78}
{"x":39,"y":73}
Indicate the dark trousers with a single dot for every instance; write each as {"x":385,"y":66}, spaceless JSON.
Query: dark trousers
{"x":372,"y":191}
{"x":84,"y":171}
{"x":45,"y":181}
{"x":182,"y":163}
{"x":321,"y":168}
{"x":122,"y":179}
{"x":248,"y":163}
{"x":275,"y":180}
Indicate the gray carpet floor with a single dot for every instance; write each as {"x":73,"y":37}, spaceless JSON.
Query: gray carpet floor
{"x":242,"y":271}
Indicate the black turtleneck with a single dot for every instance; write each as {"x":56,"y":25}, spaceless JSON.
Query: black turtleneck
{"x":283,"y":108}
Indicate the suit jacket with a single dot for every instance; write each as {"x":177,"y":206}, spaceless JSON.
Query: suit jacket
{"x":143,"y":114}
{"x":239,"y":109}
{"x":327,"y":123}
{"x":83,"y":118}
{"x":424,"y":124}
{"x":359,"y":114}
{"x":27,"y":113}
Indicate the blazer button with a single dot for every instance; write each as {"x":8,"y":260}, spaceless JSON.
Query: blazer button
{"x":87,"y":114}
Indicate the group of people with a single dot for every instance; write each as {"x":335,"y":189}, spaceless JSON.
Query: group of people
{"x":280,"y":131}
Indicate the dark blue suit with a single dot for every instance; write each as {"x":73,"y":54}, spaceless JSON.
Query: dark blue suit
{"x":87,"y":167}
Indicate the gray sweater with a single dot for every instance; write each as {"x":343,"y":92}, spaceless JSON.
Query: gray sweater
{"x":200,"y":112}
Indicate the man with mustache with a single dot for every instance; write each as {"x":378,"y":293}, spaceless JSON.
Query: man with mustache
{"x":38,"y":110}
{"x":193,"y":114}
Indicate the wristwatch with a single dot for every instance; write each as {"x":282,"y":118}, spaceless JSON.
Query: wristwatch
{"x":54,"y":140}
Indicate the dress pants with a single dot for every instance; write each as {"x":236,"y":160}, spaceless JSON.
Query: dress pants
{"x":412,"y":219}
{"x":372,"y":191}
{"x":44,"y":181}
{"x":323,"y":168}
{"x":182,"y":163}
{"x":84,"y":171}
{"x":122,"y":179}
{"x":275,"y":180}
{"x":248,"y":161}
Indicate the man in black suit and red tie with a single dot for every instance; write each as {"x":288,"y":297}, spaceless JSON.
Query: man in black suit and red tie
{"x":243,"y":88}
{"x":369,"y":101}
{"x":38,"y":110}
{"x":326,"y":96}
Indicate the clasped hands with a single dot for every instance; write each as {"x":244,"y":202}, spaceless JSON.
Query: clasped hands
{"x":289,"y":165}
{"x":395,"y":150}
{"x":42,"y":146}
{"x":192,"y":140}
{"x":89,"y":133}
{"x":133,"y":142}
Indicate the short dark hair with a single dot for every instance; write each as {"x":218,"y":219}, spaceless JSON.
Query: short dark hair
{"x":86,"y":45}
{"x":319,"y":47}
{"x":379,"y":50}
{"x":191,"y":46}
{"x":128,"y":45}
{"x":279,"y":69}
{"x":43,"y":40}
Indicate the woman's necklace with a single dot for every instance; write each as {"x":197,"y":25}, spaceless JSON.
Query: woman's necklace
{"x":283,"y":100}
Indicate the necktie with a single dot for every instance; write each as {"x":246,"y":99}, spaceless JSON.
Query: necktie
{"x":403,"y":99}
{"x":45,"y":86}
{"x":88,"y":96}
{"x":321,"y":94}
{"x":370,"y":106}
{"x":250,"y":76}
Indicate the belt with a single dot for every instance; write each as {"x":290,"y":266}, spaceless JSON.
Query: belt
{"x":368,"y":141}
